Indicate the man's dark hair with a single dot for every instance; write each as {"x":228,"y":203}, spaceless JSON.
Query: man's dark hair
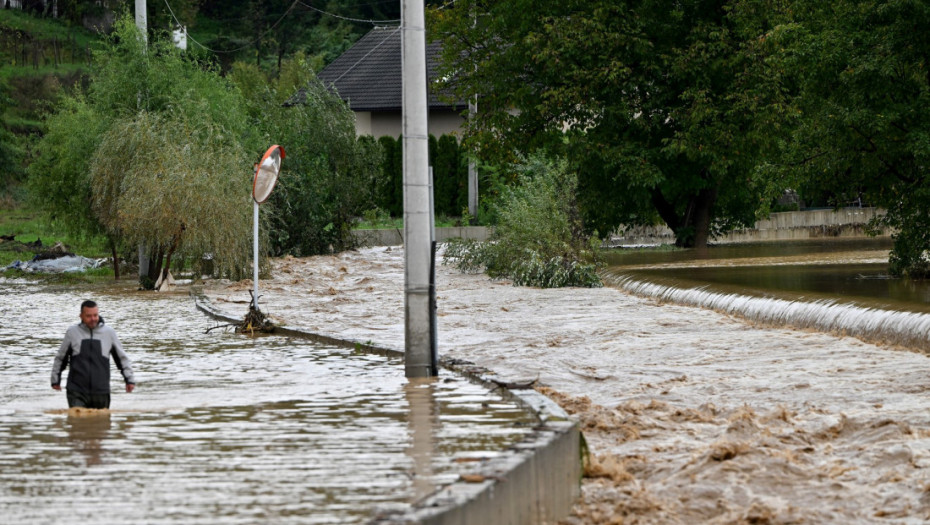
{"x":88,"y":304}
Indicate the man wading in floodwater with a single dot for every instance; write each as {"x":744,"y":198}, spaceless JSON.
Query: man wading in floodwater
{"x":88,"y":346}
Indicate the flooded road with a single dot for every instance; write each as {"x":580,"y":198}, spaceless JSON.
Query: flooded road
{"x":224,"y":428}
{"x":692,"y":416}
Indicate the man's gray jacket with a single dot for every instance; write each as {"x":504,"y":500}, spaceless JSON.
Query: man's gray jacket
{"x":88,"y":352}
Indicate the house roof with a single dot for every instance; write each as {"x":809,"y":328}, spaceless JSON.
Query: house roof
{"x":368,"y":74}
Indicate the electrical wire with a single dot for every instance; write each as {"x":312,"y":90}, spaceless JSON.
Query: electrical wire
{"x":364,"y":21}
{"x":308,"y":6}
{"x":359,"y":61}
{"x":270,"y":29}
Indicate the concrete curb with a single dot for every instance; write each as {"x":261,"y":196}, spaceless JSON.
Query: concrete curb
{"x":535,"y":481}
{"x":395,"y":237}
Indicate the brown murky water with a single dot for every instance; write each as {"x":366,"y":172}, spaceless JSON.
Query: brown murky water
{"x":222,"y":428}
{"x":839,"y":286}
{"x":692,"y":416}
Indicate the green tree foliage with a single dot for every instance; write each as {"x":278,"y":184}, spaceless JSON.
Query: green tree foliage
{"x":131,"y":76}
{"x":266,"y":32}
{"x":59,"y":176}
{"x":391,"y":197}
{"x":450,"y":177}
{"x":177,"y":187}
{"x":130,"y":82}
{"x":654,"y":103}
{"x":329,"y":177}
{"x":862,"y":81}
{"x":11,"y":153}
{"x":539,"y":239}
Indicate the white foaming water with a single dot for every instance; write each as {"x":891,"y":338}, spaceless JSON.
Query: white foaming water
{"x":909,"y":329}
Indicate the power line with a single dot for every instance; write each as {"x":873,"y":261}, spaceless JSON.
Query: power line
{"x":270,"y":29}
{"x":359,"y":61}
{"x":372,"y":22}
{"x":349,"y":19}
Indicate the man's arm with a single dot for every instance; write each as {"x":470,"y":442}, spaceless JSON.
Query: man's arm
{"x":123,"y":363}
{"x":61,"y":362}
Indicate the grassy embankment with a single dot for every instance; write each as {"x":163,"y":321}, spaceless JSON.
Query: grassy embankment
{"x":27,"y":226}
{"x":38,"y":57}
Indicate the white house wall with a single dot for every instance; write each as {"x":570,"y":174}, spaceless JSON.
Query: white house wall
{"x":383,"y":123}
{"x":445,"y":122}
{"x":363,"y":124}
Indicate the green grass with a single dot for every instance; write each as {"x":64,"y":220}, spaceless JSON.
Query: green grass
{"x":47,"y":29}
{"x":8,"y":71}
{"x":28,"y":226}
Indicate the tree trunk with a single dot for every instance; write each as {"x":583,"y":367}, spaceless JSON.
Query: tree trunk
{"x":175,"y":242}
{"x":156,"y":259}
{"x":703,"y":205}
{"x":666,"y":210}
{"x":692,"y":230}
{"x":115,"y":261}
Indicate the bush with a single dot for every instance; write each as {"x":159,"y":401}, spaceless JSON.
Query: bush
{"x":450,"y":176}
{"x":328,"y":177}
{"x":539,"y":239}
{"x":907,"y":217}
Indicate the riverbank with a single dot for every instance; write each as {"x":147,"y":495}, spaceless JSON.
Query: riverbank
{"x":845,"y":223}
{"x":691,"y":416}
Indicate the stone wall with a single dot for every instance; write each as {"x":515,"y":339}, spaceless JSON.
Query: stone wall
{"x":782,"y":226}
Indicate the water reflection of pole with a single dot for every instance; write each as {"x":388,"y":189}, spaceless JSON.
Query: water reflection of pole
{"x":423,"y":421}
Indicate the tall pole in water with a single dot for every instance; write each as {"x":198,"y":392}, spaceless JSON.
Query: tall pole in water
{"x":254,"y":255}
{"x":472,"y":170}
{"x":419,"y":316}
{"x":142,"y":24}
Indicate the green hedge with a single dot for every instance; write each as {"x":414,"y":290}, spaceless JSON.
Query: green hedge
{"x":450,"y":176}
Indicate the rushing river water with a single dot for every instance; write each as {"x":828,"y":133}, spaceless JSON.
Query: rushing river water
{"x":223,"y":428}
{"x":836,"y":285}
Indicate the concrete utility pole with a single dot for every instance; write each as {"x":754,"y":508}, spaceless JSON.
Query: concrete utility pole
{"x":472,"y":170}
{"x":141,"y":21}
{"x":143,"y":28}
{"x":419,"y":313}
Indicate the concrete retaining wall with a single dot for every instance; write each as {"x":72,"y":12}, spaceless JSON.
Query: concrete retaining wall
{"x":396,"y":237}
{"x":782,"y":226}
{"x":533,"y":482}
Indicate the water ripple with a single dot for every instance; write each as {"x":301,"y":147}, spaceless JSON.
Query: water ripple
{"x":223,"y":428}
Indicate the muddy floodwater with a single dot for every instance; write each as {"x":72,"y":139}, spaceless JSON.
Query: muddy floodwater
{"x":693,"y":415}
{"x":840,"y":286}
{"x":223,"y":428}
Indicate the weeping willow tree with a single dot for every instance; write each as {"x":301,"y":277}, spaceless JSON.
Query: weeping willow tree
{"x":148,"y":154}
{"x":176,"y":189}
